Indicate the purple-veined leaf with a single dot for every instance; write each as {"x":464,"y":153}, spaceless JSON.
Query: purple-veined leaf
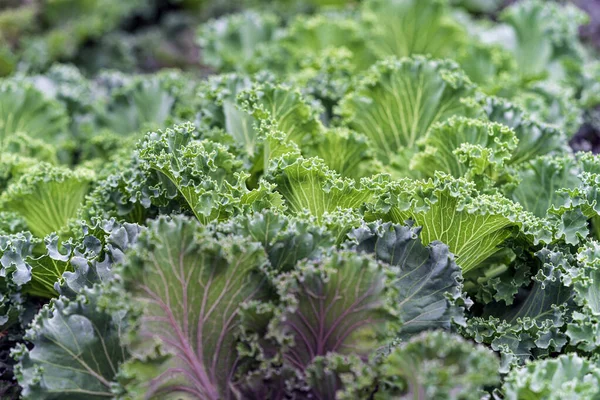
{"x":191,"y":288}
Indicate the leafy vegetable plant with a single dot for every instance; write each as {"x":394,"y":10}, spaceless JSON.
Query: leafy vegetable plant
{"x":364,"y":200}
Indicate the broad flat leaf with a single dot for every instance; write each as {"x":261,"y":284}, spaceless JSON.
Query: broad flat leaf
{"x":191,"y":289}
{"x":426,"y":276}
{"x":47,"y":269}
{"x":241,"y":126}
{"x":345,"y":152}
{"x":451,"y":210}
{"x":76,"y":350}
{"x":47,"y":197}
{"x":25,"y":109}
{"x":408,"y":27}
{"x":540,"y":180}
{"x":397,"y":101}
{"x":343,"y":304}
{"x":572,"y":226}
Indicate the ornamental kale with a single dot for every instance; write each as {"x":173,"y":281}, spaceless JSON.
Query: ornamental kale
{"x":321,"y":200}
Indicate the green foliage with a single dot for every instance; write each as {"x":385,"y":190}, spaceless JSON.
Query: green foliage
{"x":407,"y":27}
{"x":47,"y":197}
{"x":397,"y":102}
{"x":466,"y":147}
{"x":357,"y":193}
{"x":438,"y":365}
{"x":568,"y":376}
{"x":25,"y":110}
{"x":451,"y":210}
{"x":214,"y":280}
{"x":427,"y":278}
{"x":232,"y":43}
{"x":543,"y":34}
{"x":307,"y":184}
{"x":77,"y":349}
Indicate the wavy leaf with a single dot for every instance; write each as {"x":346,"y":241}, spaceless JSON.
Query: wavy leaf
{"x":397,"y":101}
{"x":427,"y":279}
{"x":76,"y":350}
{"x":191,"y":289}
